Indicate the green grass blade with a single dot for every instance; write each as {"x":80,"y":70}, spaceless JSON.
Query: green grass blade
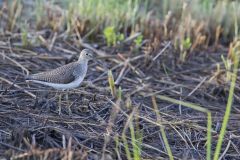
{"x":125,"y":143}
{"x":198,"y":108}
{"x":209,"y":135}
{"x":136,"y":150}
{"x":164,"y":136}
{"x":228,"y":107}
{"x":111,"y":83}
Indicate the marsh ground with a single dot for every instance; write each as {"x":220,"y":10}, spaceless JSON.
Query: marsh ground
{"x":93,"y":123}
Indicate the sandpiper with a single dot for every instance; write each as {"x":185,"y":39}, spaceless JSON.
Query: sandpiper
{"x":65,"y":77}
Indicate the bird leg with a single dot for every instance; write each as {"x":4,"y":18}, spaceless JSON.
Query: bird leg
{"x":60,"y":103}
{"x":68,"y":104}
{"x":66,"y":95}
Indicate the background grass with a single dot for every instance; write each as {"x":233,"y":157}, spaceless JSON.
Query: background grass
{"x":189,"y":25}
{"x":204,"y":22}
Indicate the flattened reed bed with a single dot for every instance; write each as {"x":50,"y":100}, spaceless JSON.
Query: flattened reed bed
{"x":32,"y":127}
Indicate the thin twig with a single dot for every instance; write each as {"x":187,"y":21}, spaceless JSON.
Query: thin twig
{"x":10,"y":146}
{"x":53,"y":41}
{"x":135,"y":69}
{"x":132,"y":37}
{"x":121,"y":74}
{"x":226,"y":149}
{"x":204,"y":79}
{"x":162,"y":51}
{"x":98,"y":52}
{"x":17,"y":86}
{"x":15,"y":62}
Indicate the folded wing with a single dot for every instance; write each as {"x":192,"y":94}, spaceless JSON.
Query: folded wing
{"x":61,"y":75}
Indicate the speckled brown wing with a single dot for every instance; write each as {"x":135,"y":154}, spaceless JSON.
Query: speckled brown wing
{"x":63,"y":74}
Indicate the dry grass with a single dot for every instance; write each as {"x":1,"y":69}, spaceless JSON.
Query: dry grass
{"x":32,"y":127}
{"x":117,"y":116}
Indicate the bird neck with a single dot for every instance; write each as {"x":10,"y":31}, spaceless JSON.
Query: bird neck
{"x":82,"y":60}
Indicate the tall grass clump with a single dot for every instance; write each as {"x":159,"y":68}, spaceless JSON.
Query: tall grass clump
{"x":14,"y":11}
{"x":39,"y":12}
{"x":205,"y":22}
{"x":117,"y":13}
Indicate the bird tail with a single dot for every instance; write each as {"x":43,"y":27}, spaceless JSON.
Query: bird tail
{"x":28,"y":77}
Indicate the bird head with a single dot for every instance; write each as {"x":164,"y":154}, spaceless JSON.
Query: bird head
{"x":86,"y":54}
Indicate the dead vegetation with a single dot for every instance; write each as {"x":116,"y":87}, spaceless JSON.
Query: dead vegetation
{"x":116,"y":114}
{"x":32,"y":126}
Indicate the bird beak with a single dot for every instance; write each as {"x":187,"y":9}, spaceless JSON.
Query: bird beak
{"x":99,"y":57}
{"x":93,"y":58}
